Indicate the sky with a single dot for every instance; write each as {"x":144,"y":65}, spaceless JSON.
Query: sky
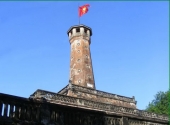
{"x":129,"y":47}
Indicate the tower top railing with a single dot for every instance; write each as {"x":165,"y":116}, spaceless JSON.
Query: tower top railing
{"x":79,"y":26}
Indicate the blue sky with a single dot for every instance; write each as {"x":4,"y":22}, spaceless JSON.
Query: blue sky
{"x":129,"y":47}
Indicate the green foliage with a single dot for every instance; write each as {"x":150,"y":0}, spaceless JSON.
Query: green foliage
{"x":160,"y":104}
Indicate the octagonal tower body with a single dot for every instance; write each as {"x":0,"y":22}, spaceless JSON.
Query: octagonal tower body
{"x":81,"y":70}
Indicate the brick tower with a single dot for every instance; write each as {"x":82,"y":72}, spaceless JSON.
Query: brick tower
{"x":81,"y":70}
{"x":81,"y":81}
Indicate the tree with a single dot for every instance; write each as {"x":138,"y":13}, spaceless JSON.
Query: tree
{"x":160,"y":104}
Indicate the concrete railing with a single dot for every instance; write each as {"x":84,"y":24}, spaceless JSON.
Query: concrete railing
{"x":84,"y":103}
{"x":18,"y":108}
{"x":46,"y":107}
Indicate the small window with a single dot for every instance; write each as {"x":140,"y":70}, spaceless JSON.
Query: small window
{"x":78,"y":44}
{"x":78,"y":30}
{"x":85,"y":30}
{"x":78,"y":51}
{"x":72,"y":48}
{"x":89,"y":76}
{"x":87,"y":66}
{"x":78,"y":60}
{"x":79,"y":70}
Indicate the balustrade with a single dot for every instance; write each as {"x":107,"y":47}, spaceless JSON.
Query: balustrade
{"x":16,"y":107}
{"x":96,"y":105}
{"x":23,"y":109}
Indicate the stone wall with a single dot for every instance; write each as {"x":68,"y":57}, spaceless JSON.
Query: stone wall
{"x":40,"y":111}
{"x":98,"y":96}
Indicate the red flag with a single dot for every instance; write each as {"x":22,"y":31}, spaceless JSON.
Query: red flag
{"x":83,"y":9}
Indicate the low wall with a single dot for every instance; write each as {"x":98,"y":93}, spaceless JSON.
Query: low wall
{"x":26,"y":111}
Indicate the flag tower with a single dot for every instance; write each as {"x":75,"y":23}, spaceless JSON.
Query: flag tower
{"x":81,"y":70}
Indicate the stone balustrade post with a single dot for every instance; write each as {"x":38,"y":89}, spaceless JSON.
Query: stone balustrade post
{"x":5,"y":109}
{"x":38,"y":114}
{"x":11,"y":112}
{"x":1,"y":108}
{"x":124,"y":121}
{"x":44,"y":113}
{"x":16,"y":111}
{"x":22,"y":116}
{"x":28,"y":112}
{"x":33,"y":114}
{"x":53,"y":115}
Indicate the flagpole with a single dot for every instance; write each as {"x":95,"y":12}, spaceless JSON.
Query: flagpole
{"x":78,"y":14}
{"x":79,"y":20}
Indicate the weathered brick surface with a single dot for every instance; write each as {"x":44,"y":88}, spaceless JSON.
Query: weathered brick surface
{"x":101,"y":99}
{"x":81,"y":70}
